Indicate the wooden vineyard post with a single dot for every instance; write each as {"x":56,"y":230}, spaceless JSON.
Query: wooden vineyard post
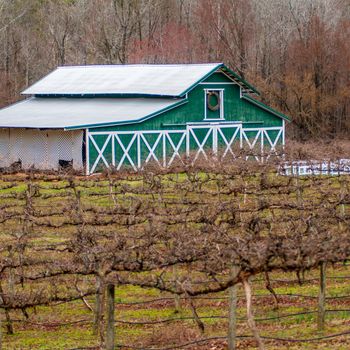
{"x":342,"y":206}
{"x":231,"y":336}
{"x":322,"y":298}
{"x":110,"y":332}
{"x":232,"y":318}
{"x":98,"y":306}
{"x":299,"y":196}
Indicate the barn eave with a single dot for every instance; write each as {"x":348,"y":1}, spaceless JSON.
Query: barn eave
{"x":127,"y":122}
{"x":73,"y":114}
{"x":239,"y":80}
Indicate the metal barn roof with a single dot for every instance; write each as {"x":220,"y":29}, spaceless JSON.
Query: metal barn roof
{"x":164,"y":80}
{"x":173,"y":80}
{"x":75,"y":113}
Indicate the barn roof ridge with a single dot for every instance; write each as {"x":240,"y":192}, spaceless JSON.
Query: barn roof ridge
{"x":121,"y":65}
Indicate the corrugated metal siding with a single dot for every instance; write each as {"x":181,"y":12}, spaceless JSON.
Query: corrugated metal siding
{"x":41,"y":149}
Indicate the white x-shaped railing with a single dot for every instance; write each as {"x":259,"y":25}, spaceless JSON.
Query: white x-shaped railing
{"x":100,"y":152}
{"x":139,"y":150}
{"x":273,"y":144}
{"x":176,"y":148}
{"x":153,"y":148}
{"x":126,"y":151}
{"x":229,"y":142}
{"x":200,"y":144}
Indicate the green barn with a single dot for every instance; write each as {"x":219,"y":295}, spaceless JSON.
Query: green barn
{"x":125,"y":116}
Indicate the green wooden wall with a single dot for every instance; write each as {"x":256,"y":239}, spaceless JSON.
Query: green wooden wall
{"x":235,"y":109}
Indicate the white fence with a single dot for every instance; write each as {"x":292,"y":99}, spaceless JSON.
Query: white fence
{"x":304,"y":168}
{"x":138,"y":150}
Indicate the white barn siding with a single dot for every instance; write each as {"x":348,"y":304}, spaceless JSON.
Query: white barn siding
{"x":41,"y":149}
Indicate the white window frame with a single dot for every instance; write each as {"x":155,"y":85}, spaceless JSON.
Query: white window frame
{"x":221,"y":109}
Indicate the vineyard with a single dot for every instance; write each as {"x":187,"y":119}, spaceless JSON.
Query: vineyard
{"x":233,"y":256}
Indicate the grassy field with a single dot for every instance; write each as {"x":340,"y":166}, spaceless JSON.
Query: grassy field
{"x":148,"y":318}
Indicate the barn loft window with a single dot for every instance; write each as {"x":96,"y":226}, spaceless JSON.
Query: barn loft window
{"x":214,"y":104}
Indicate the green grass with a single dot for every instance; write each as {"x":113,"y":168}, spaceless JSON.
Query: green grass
{"x":28,"y":336}
{"x":48,"y":339}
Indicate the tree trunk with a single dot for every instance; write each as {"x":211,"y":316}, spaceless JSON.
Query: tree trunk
{"x":110,"y":317}
{"x":271,"y":290}
{"x":322,"y":298}
{"x":0,"y":333}
{"x":251,"y":322}
{"x":176,"y":296}
{"x":9,"y":325}
{"x":196,"y":317}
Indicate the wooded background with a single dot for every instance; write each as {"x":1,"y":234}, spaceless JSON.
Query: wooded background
{"x":296,"y":52}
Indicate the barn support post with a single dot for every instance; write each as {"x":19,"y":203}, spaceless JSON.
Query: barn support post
{"x":87,"y":150}
{"x":322,"y":298}
{"x":187,"y":141}
{"x":231,"y":336}
{"x":283,"y":139}
{"x":110,"y":331}
{"x":215,"y":140}
{"x":241,"y":137}
{"x":164,"y":148}
{"x":113,"y":151}
{"x":262,"y":145}
{"x":138,"y":140}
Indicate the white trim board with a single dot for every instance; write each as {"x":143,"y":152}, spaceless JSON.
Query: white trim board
{"x":219,"y":83}
{"x":221,"y":109}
